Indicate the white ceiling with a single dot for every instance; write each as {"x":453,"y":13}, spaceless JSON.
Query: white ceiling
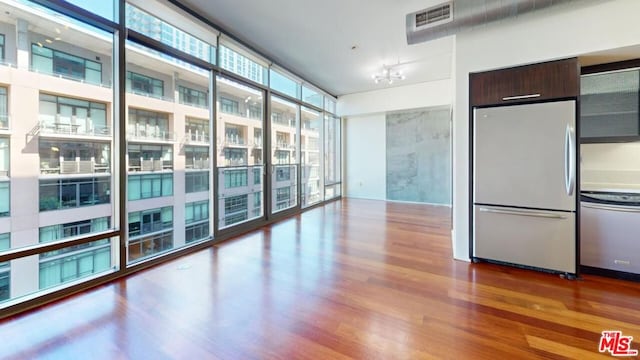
{"x":314,"y":39}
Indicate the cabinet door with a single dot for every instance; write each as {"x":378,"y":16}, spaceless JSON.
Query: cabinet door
{"x":550,"y":80}
{"x":609,"y":105}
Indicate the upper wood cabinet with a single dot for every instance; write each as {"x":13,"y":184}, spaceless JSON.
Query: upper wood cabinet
{"x":549,"y":80}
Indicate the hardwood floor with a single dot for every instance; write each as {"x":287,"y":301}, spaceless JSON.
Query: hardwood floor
{"x":354,"y":279}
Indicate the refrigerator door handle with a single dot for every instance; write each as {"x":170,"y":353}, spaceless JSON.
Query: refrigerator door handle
{"x":523,"y":213}
{"x":569,"y":160}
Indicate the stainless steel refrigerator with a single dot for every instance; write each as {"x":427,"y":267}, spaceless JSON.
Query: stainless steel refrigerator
{"x":524,"y":185}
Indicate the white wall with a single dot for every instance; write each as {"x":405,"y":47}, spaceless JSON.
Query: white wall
{"x":562,"y":31}
{"x":610,"y":166}
{"x":426,"y":94}
{"x":365,"y":153}
{"x":364,"y":124}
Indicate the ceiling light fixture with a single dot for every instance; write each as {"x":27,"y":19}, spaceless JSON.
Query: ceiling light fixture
{"x":387,"y":75}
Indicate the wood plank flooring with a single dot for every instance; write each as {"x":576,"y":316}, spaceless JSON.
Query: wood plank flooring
{"x":356,"y":279}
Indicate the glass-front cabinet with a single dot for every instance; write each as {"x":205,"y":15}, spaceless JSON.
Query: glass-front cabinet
{"x":609,"y":104}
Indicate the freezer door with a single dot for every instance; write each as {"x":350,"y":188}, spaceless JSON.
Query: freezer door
{"x":525,"y":155}
{"x":542,"y":239}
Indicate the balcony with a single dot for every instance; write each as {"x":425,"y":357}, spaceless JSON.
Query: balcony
{"x":136,"y":165}
{"x":200,"y":164}
{"x":71,"y":126}
{"x":70,"y":167}
{"x":234,"y":140}
{"x":70,"y":77}
{"x":196,"y":138}
{"x":4,"y":122}
{"x":149,"y":132}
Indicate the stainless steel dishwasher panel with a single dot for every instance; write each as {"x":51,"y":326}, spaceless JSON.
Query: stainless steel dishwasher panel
{"x":610,"y":237}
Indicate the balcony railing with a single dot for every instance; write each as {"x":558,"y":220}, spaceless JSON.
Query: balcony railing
{"x":69,"y":77}
{"x":4,"y":122}
{"x":72,"y":126}
{"x":196,"y":137}
{"x":68,"y":167}
{"x":234,"y":139}
{"x":149,"y":132}
{"x":149,"y":165}
{"x":150,"y":95}
{"x":200,"y":164}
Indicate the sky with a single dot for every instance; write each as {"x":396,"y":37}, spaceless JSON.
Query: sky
{"x":103,"y":8}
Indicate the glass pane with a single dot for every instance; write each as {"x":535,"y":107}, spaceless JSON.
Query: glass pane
{"x":144,"y":22}
{"x":161,"y":130}
{"x":104,"y":8}
{"x":312,"y":97}
{"x":311,"y":157}
{"x":4,"y":109}
{"x":284,"y":137}
{"x":66,"y":177}
{"x":332,"y":163}
{"x":240,"y":159}
{"x":282,"y":83}
{"x":241,"y":65}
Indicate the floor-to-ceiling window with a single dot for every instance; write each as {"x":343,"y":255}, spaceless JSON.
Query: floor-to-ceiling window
{"x":239,"y":126}
{"x":332,"y":157}
{"x":106,"y":164}
{"x":311,"y":157}
{"x":57,"y":170}
{"x":284,"y":154}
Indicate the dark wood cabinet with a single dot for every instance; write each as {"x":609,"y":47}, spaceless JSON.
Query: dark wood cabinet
{"x":543,"y":81}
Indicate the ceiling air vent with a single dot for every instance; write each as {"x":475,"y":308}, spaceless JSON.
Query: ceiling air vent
{"x":433,"y":16}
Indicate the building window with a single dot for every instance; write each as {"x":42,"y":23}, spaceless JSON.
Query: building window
{"x":5,"y":201}
{"x":229,"y":106}
{"x":144,"y":157}
{"x":77,"y":228}
{"x":235,"y":209}
{"x":70,"y":193}
{"x":4,"y":157}
{"x":196,"y":221}
{"x":235,"y":157}
{"x":283,"y":173}
{"x":196,"y":157}
{"x":71,"y":116}
{"x":197,"y":129}
{"x":4,"y":109}
{"x":150,"y":232}
{"x":50,"y":61}
{"x":5,"y":275}
{"x":283,"y":198}
{"x":151,"y":125}
{"x":192,"y":97}
{"x":2,"y":48}
{"x":257,"y":175}
{"x":149,"y":186}
{"x":282,"y":157}
{"x":64,"y":157}
{"x":196,"y":181}
{"x":74,"y":262}
{"x":234,"y":134}
{"x":235,"y":178}
{"x":150,"y":221}
{"x":144,"y":85}
{"x":255,"y":112}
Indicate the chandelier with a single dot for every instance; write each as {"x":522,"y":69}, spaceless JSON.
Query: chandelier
{"x":387,"y":75}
